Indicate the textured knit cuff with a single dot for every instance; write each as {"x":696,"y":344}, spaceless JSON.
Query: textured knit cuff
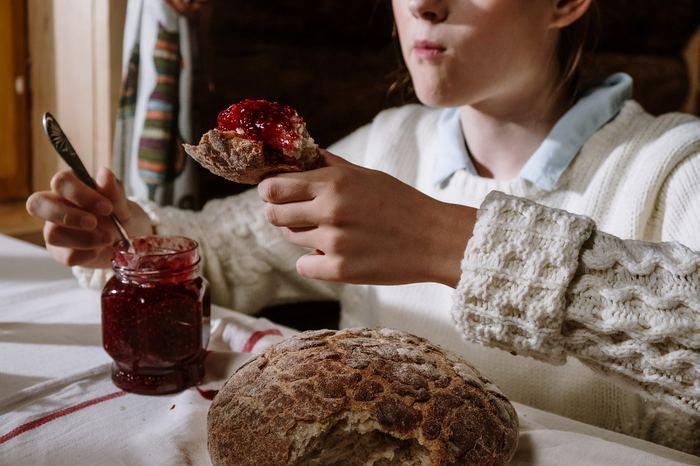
{"x":634,"y":313}
{"x":91,"y":278}
{"x":515,"y":273}
{"x":170,"y":221}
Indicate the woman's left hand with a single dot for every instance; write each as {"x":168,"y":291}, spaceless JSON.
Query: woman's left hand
{"x":366,"y":226}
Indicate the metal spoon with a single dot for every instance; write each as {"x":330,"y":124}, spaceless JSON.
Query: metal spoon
{"x":65,"y":150}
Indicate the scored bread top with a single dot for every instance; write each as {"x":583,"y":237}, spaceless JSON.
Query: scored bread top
{"x":277,"y":404}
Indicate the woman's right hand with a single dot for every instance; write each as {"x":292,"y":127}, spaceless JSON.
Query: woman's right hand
{"x":78,"y":230}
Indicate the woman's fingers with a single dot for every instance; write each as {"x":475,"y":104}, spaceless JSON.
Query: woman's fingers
{"x":109,"y":198}
{"x":324,"y":267}
{"x":67,"y":185}
{"x":73,"y":257}
{"x":78,"y":230}
{"x":324,"y":239}
{"x":51,"y":207}
{"x":283,"y":188}
{"x":307,"y":237}
{"x":295,"y":214}
{"x":63,"y":237}
{"x":112,"y":188}
{"x":332,"y":160}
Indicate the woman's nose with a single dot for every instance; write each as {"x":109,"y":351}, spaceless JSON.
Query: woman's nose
{"x":434,"y":11}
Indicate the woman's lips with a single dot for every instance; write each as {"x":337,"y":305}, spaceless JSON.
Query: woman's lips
{"x":428,"y":49}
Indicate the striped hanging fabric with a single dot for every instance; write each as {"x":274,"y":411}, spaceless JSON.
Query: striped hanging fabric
{"x":154,"y":115}
{"x":160,"y":158}
{"x":125,"y":115}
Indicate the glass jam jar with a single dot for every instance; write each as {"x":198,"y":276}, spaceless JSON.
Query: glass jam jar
{"x":155,"y":315}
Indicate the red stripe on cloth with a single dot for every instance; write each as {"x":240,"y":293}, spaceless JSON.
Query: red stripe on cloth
{"x":27,"y":426}
{"x":256,"y":336}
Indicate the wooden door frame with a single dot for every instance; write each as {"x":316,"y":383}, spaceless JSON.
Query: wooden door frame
{"x":75,"y":73}
{"x":14,"y":184}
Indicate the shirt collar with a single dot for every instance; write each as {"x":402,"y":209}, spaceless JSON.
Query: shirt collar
{"x":551,"y":159}
{"x":453,"y":155}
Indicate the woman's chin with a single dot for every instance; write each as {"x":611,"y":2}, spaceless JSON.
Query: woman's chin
{"x":436,"y":99}
{"x":436,"y":95}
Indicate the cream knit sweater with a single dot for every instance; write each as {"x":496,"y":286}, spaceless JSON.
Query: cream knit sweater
{"x":537,"y":281}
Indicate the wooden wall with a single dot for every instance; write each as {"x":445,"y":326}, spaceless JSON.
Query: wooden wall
{"x":75,"y":73}
{"x":330,"y":60}
{"x":653,"y":41}
{"x":334,"y":61}
{"x":14,"y":127}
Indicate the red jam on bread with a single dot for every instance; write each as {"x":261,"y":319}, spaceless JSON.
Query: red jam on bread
{"x":255,"y":139}
{"x":271,"y":123}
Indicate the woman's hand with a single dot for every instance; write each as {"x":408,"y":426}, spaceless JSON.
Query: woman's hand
{"x":366,"y":226}
{"x":78,"y":230}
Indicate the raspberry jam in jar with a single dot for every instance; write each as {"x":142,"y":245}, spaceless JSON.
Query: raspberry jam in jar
{"x":155,"y":315}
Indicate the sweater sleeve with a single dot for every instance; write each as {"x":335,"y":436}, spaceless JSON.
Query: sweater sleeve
{"x":679,"y":204}
{"x":353,"y":146}
{"x":544,"y":283}
{"x":248,"y":263}
{"x":246,"y":260}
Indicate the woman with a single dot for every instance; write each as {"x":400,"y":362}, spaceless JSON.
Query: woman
{"x":556,"y":177}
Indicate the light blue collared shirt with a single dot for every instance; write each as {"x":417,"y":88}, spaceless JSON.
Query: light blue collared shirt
{"x":546,"y":165}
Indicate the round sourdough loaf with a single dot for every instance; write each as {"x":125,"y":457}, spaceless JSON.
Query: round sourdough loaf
{"x":360,"y":397}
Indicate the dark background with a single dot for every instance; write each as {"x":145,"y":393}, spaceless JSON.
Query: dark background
{"x":335,"y":60}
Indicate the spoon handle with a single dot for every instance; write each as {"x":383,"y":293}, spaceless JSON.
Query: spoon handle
{"x":65,"y":150}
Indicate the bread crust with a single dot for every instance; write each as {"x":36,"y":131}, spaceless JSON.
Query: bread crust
{"x":245,"y":161}
{"x":282,"y":405}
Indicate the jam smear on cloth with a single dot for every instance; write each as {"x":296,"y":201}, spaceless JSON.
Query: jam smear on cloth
{"x":155,"y":315}
{"x":272,"y":123}
{"x":207,"y":394}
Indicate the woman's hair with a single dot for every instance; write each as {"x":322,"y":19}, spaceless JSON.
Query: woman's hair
{"x":401,"y":84}
{"x":574,"y":40}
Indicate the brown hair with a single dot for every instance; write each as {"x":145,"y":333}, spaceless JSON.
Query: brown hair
{"x":401,"y":85}
{"x":574,"y":40}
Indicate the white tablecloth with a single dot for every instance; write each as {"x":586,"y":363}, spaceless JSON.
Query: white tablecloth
{"x":59,"y":407}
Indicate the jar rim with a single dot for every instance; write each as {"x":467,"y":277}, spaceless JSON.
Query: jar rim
{"x":148,"y":253}
{"x":192,"y":244}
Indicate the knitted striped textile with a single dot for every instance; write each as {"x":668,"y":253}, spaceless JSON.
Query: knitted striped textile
{"x":160,"y":156}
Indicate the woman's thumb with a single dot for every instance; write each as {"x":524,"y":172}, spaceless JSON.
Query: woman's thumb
{"x":332,"y":160}
{"x":110,"y":186}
